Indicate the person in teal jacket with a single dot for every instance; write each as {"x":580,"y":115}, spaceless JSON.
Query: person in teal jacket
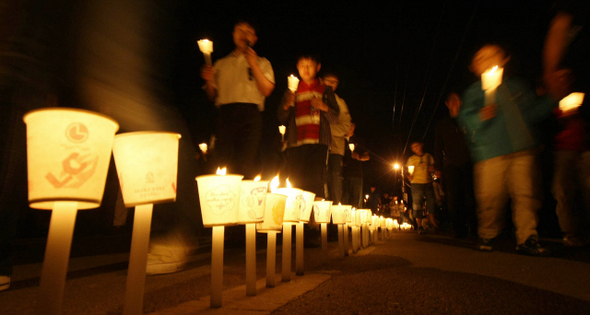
{"x":501,"y":137}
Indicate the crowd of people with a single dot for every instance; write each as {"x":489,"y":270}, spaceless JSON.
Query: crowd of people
{"x":485,"y":151}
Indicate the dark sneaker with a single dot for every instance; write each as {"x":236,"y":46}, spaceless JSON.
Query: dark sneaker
{"x":485,"y":244}
{"x":531,"y":247}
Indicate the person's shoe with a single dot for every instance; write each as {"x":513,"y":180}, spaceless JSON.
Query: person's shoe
{"x":573,"y":241}
{"x":485,"y":244}
{"x":421,"y":230}
{"x":4,"y":283}
{"x":167,"y":255}
{"x":531,"y":247}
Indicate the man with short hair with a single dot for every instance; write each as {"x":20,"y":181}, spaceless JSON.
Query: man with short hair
{"x":239,"y":84}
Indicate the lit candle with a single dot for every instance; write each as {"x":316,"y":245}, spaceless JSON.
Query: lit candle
{"x":308,"y":198}
{"x":68,"y":155}
{"x":571,"y":102}
{"x":282,"y":130}
{"x":293,"y":83}
{"x":322,"y":212}
{"x":203,"y":147}
{"x":219,"y":196}
{"x":252,"y":205}
{"x":411,"y":169}
{"x":206,"y":47}
{"x":490,"y":80}
{"x":272,"y":224}
{"x":351,"y":146}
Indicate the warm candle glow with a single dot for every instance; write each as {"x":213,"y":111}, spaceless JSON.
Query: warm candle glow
{"x":274,"y":184}
{"x":572,"y":101}
{"x":203,"y":147}
{"x":411,"y":169}
{"x":206,"y":46}
{"x":257,"y":178}
{"x":293,"y":83}
{"x":289,"y":184}
{"x":221,"y":171}
{"x":351,"y":146}
{"x":282,"y":129}
{"x":492,"y":78}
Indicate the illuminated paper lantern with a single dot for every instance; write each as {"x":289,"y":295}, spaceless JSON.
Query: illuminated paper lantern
{"x":338,"y":214}
{"x":252,"y":201}
{"x":68,"y":155}
{"x":273,"y":214}
{"x":295,"y":203}
{"x":308,"y":198}
{"x":219,"y":196}
{"x":492,"y":78}
{"x":321,"y":210}
{"x":147,"y":164}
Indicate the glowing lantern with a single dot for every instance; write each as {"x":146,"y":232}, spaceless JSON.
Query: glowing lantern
{"x":68,"y":155}
{"x":411,"y":169}
{"x":339,"y":214}
{"x":293,"y":83}
{"x":490,"y":80}
{"x":147,"y":164}
{"x":282,"y":130}
{"x":321,"y":210}
{"x":220,"y":198}
{"x":572,"y":101}
{"x":295,"y":202}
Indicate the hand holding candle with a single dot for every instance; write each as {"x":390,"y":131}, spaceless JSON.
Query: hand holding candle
{"x":570,"y":103}
{"x":282,"y":130}
{"x":206,"y":47}
{"x":490,"y":80}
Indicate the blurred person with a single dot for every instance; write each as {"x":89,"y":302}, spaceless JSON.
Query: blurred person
{"x":339,"y":131}
{"x":308,"y":113}
{"x":239,"y":84}
{"x":453,"y":166}
{"x":501,"y":138}
{"x":567,"y":46}
{"x":139,"y":99}
{"x":396,"y":210}
{"x":374,"y":201}
{"x":385,"y":202}
{"x":421,"y":181}
{"x":352,"y":169}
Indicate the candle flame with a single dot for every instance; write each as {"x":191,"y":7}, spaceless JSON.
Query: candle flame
{"x":257,"y":178}
{"x":289,"y":184}
{"x":203,"y":147}
{"x":282,"y":129}
{"x":274,"y":184}
{"x":221,"y":171}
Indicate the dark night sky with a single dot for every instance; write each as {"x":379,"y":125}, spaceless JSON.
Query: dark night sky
{"x":408,"y":53}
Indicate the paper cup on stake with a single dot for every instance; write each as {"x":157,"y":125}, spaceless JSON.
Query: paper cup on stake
{"x":68,"y":155}
{"x":307,"y":206}
{"x":220,"y":198}
{"x":147,"y":164}
{"x":252,"y":201}
{"x":321,"y":211}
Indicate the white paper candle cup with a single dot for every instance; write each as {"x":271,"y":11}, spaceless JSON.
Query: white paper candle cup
{"x":68,"y":155}
{"x":252,"y":201}
{"x":220,"y":199}
{"x":293,"y":83}
{"x":295,"y":203}
{"x":205,"y":46}
{"x":147,"y":166}
{"x":321,"y":210}
{"x":492,"y":78}
{"x":572,"y":101}
{"x":274,"y":213}
{"x":308,"y":198}
{"x":339,"y":214}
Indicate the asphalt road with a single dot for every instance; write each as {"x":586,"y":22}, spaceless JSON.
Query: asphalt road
{"x":408,"y":273}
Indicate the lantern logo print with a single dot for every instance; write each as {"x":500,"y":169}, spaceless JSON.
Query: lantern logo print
{"x":77,"y":132}
{"x":316,"y":212}
{"x":252,"y":200}
{"x":220,"y":199}
{"x":76,"y":170}
{"x":298,"y":206}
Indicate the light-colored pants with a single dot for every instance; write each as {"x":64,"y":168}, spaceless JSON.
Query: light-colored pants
{"x":571,"y":175}
{"x":511,"y":176}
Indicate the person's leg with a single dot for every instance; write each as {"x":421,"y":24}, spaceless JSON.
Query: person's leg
{"x":525,"y":202}
{"x":452,"y":182}
{"x":564,"y":176}
{"x":491,"y":195}
{"x":357,"y":192}
{"x":246,"y":140}
{"x":335,"y":178}
{"x":418,"y":192}
{"x":431,"y":204}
